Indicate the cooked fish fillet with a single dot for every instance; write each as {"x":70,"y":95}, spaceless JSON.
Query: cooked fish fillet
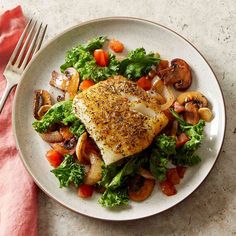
{"x":120,"y":116}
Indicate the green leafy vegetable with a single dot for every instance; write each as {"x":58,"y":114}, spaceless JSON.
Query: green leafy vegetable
{"x":114,"y":197}
{"x":158,"y":165}
{"x":129,"y":169}
{"x":69,"y":172}
{"x":61,"y":112}
{"x":166,"y":144}
{"x":81,"y":58}
{"x":138,"y":63}
{"x":108,"y":173}
{"x":77,"y":128}
{"x":185,"y":154}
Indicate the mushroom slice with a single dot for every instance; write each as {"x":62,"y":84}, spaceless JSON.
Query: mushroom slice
{"x":205,"y":114}
{"x":178,"y":74}
{"x":73,"y":83}
{"x":42,"y":110}
{"x":95,"y":172}
{"x":145,"y":173}
{"x":193,"y":96}
{"x":140,"y":188}
{"x":59,"y":80}
{"x":80,"y":149}
{"x":191,"y":115}
{"x":41,"y":98}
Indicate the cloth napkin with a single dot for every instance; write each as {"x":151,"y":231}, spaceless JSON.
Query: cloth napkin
{"x":18,"y":197}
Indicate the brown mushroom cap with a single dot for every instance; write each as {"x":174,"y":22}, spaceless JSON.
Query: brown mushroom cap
{"x":178,"y":74}
{"x":193,"y":96}
{"x":191,"y":115}
{"x":41,"y":98}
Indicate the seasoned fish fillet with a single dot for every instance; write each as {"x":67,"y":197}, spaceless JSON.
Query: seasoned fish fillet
{"x":120,"y":116}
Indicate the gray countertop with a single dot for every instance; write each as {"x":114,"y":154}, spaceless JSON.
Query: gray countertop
{"x":211,"y":27}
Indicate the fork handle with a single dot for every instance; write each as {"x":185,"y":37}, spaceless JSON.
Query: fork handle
{"x":5,"y":95}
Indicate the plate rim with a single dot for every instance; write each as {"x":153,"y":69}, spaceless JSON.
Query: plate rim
{"x":87,"y":23}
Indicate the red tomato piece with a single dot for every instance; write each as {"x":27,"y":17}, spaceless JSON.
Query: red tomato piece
{"x":86,"y":84}
{"x":101,"y":57}
{"x":181,"y":140}
{"x":144,"y":83}
{"x":85,"y":190}
{"x":168,"y":188}
{"x":54,"y":158}
{"x":181,"y":171}
{"x":116,"y":45}
{"x":178,"y":107}
{"x":173,"y":176}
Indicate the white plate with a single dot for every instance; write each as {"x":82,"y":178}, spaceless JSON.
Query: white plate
{"x":133,"y":33}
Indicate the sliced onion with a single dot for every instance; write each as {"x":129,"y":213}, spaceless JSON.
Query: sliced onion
{"x":61,"y":149}
{"x":166,"y":91}
{"x":43,"y":109}
{"x":52,"y":137}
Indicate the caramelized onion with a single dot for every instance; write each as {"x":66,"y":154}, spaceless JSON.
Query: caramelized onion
{"x":52,"y":137}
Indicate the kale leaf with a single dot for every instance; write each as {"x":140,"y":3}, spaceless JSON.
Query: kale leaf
{"x":138,"y":63}
{"x":61,"y":112}
{"x":114,"y":197}
{"x":185,"y":155}
{"x":69,"y":172}
{"x":166,"y":144}
{"x":81,"y":58}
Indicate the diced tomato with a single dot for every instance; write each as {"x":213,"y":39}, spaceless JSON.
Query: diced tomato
{"x":86,"y":84}
{"x":178,"y":107}
{"x":54,"y":158}
{"x":116,"y":45}
{"x":181,"y":140}
{"x":85,"y":190}
{"x":101,"y":57}
{"x":168,"y":188}
{"x":173,"y":176}
{"x":144,"y":83}
{"x":163,"y":64}
{"x":181,"y":171}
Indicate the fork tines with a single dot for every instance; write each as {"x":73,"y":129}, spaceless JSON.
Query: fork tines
{"x":29,"y":43}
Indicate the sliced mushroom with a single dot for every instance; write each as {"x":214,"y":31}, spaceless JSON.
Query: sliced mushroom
{"x":73,"y":85}
{"x":191,"y":115}
{"x":59,"y":80}
{"x":42,"y":110}
{"x":178,"y":74}
{"x":205,"y":114}
{"x":80,"y":149}
{"x":67,"y":82}
{"x":192,"y":96}
{"x":95,"y":172}
{"x":140,"y":188}
{"x":52,"y":137}
{"x":41,"y":98}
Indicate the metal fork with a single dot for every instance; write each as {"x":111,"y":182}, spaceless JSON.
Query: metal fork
{"x":29,"y":43}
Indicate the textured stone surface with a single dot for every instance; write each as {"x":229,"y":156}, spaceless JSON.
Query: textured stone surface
{"x":211,"y":27}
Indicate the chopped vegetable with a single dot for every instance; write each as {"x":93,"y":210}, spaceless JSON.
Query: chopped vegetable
{"x":173,"y":176}
{"x":77,"y":128}
{"x":166,"y":144}
{"x":101,"y":57}
{"x":81,"y":58}
{"x":85,"y":190}
{"x":138,"y":63}
{"x":86,"y":84}
{"x":54,"y":157}
{"x":168,"y":188}
{"x":114,"y":198}
{"x":181,"y":171}
{"x":144,"y":83}
{"x":69,"y":172}
{"x":181,"y":140}
{"x":140,"y":188}
{"x":116,"y":45}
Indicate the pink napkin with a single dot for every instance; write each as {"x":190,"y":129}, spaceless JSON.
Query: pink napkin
{"x":18,"y":197}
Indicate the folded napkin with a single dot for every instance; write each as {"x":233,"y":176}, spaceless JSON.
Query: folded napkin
{"x":18,"y":198}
